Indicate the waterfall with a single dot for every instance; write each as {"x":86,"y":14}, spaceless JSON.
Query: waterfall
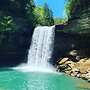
{"x":41,"y":49}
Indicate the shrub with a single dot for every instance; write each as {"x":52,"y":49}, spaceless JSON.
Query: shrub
{"x":7,"y":23}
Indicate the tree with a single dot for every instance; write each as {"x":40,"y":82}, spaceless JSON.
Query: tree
{"x":43,"y":16}
{"x":30,"y":11}
{"x":7,"y":23}
{"x":48,"y":15}
{"x":39,"y":15}
{"x":59,"y":21}
{"x":72,"y":8}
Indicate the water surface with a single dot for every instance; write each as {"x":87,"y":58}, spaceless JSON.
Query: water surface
{"x":16,"y":80}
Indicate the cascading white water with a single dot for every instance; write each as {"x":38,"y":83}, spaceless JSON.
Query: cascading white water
{"x":41,"y":48}
{"x":40,"y":51}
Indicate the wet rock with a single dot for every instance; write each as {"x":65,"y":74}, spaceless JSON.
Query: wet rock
{"x":78,"y":75}
{"x":83,"y":76}
{"x":88,"y":80}
{"x":67,"y":72}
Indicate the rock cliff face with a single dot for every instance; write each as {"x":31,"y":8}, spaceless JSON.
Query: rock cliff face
{"x":14,"y":46}
{"x":80,"y":20}
{"x":13,"y":7}
{"x":66,"y":42}
{"x":76,"y":34}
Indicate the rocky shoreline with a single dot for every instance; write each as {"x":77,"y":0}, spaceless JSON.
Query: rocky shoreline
{"x":80,"y":69}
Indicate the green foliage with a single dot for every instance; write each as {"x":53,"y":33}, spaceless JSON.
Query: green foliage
{"x":43,"y":16}
{"x":7,"y":23}
{"x":59,"y":21}
{"x":39,"y":15}
{"x":30,"y":11}
{"x":48,"y":15}
{"x":71,"y":7}
{"x":26,"y":10}
{"x":78,"y":13}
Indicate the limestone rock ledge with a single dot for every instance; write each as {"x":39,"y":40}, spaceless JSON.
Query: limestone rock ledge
{"x":80,"y":69}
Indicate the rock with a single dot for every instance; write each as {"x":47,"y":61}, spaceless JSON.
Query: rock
{"x":63,"y":60}
{"x":78,"y":58}
{"x":70,"y":63}
{"x":88,"y":80}
{"x":78,"y":75}
{"x":75,"y":72}
{"x":67,"y":72}
{"x":82,"y":61}
{"x":88,"y":75}
{"x":83,"y":76}
{"x":88,"y":70}
{"x":73,"y":52}
{"x":72,"y":74}
{"x":14,"y":46}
